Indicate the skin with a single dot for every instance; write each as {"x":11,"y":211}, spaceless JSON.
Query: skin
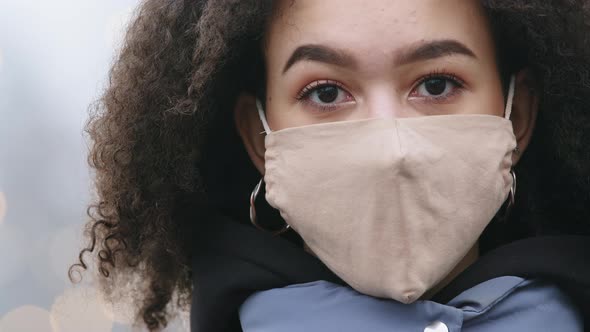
{"x":382,"y":76}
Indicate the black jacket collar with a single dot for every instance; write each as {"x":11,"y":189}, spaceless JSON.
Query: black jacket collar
{"x":231,"y":261}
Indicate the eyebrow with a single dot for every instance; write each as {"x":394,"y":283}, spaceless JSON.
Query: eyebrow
{"x":320,"y":53}
{"x":421,"y":52}
{"x":433,"y":50}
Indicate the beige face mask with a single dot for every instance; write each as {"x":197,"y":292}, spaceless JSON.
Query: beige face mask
{"x":391,"y":205}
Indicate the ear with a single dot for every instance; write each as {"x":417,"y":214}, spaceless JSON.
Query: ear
{"x":525,"y":109}
{"x":250,"y":129}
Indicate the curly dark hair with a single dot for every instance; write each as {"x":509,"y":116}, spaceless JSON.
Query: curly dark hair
{"x":167,"y":155}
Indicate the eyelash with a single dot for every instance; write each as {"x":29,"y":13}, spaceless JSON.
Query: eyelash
{"x":315,"y":85}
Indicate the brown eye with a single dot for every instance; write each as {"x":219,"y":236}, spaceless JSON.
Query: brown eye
{"x":435,"y":86}
{"x":327,"y":94}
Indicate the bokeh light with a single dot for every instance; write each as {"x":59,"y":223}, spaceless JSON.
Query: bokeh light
{"x":121,"y":311}
{"x":78,"y":309}
{"x":27,"y":318}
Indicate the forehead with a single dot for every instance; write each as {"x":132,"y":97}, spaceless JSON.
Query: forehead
{"x":377,"y":28}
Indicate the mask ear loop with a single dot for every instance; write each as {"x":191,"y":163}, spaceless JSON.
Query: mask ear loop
{"x":262,"y":116}
{"x":510,"y":99}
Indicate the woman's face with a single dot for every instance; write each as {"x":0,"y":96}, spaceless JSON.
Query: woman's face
{"x":335,"y":60}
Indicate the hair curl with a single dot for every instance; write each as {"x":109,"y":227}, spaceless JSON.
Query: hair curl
{"x":167,"y":155}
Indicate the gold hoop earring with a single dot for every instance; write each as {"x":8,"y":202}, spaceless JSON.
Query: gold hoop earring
{"x":511,"y":197}
{"x":513,"y":189}
{"x":253,"y":217}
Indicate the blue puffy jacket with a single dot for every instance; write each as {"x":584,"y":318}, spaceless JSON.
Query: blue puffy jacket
{"x":497,"y":305}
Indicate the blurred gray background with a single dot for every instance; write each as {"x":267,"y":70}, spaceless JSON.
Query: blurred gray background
{"x":54,"y":60}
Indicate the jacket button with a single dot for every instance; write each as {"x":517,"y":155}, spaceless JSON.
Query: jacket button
{"x":437,"y":326}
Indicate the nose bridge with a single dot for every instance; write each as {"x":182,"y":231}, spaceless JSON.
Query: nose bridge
{"x":387,"y":103}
